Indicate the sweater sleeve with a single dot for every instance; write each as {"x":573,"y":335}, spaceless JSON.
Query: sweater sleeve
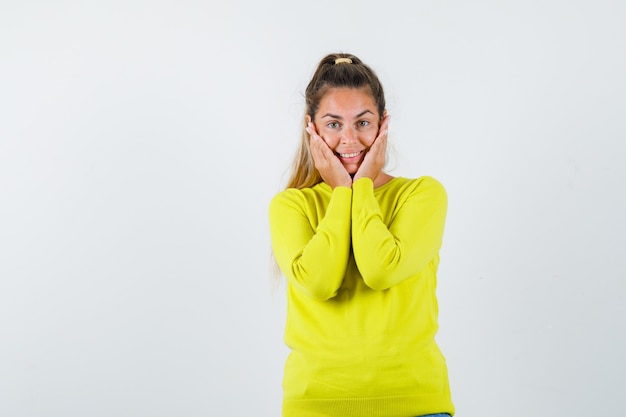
{"x":387,"y":255}
{"x":313,"y":259}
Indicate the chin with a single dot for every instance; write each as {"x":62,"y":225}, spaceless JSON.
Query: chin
{"x":351,"y":169}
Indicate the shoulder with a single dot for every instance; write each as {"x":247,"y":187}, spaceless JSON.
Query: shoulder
{"x":429,"y":183}
{"x":289,"y":196}
{"x":421,"y":193}
{"x":299,"y":198}
{"x":424,"y":181}
{"x":420,"y":185}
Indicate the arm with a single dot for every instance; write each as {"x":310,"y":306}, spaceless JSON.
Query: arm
{"x":313,"y":260}
{"x":385,"y":255}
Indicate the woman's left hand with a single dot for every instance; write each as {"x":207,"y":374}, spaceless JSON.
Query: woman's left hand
{"x":374,"y":160}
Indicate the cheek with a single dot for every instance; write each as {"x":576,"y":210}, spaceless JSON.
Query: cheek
{"x":369,"y":138}
{"x":331,"y":139}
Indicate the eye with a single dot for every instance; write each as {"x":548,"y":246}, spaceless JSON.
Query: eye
{"x":333,"y":125}
{"x":363,"y":123}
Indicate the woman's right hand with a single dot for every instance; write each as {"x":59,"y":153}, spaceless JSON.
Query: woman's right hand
{"x":326,"y":162}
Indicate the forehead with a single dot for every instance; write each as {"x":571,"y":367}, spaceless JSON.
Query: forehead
{"x":347,"y":101}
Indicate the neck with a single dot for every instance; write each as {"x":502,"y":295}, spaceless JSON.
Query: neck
{"x":382,"y":179}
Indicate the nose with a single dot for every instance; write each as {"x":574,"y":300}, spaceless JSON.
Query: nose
{"x":348,"y":135}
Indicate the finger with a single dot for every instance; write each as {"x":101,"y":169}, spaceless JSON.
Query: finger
{"x":311,"y":127}
{"x":322,"y":155}
{"x":385,"y":123}
{"x":321,"y":145}
{"x":383,"y":130}
{"x":314,"y":136}
{"x":316,"y":149}
{"x":313,"y":131}
{"x":380,"y":143}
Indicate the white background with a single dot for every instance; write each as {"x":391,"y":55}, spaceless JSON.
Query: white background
{"x":141,"y":141}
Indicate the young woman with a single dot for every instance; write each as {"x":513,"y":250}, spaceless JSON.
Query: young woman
{"x":359,"y":249}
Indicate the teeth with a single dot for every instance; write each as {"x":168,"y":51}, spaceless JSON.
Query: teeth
{"x":349,"y":155}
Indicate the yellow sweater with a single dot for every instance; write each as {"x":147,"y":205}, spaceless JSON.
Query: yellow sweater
{"x":362,"y":311}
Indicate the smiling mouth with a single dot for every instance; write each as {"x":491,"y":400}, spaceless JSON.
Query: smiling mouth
{"x":349,"y":155}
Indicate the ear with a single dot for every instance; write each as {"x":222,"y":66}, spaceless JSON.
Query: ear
{"x":307,"y":119}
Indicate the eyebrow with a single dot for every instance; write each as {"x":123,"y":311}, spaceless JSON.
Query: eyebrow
{"x":335,"y":116}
